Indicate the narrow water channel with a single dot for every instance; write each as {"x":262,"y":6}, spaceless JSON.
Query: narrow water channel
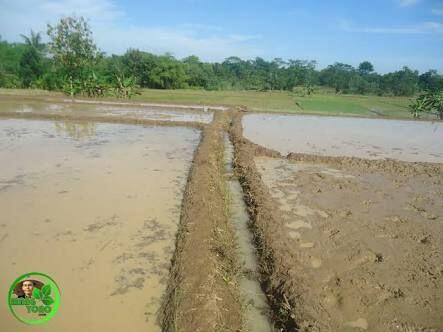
{"x":256,"y":306}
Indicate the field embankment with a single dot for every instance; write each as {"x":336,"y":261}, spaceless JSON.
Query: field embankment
{"x":202,"y":292}
{"x":271,"y":101}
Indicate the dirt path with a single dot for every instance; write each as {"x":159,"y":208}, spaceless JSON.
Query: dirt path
{"x":203,"y":292}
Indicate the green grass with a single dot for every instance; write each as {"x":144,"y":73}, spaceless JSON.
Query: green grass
{"x":275,"y":101}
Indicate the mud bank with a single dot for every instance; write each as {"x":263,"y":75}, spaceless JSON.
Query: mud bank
{"x":264,"y":225}
{"x":60,"y":97}
{"x":345,"y":244}
{"x":202,"y":292}
{"x":99,"y":118}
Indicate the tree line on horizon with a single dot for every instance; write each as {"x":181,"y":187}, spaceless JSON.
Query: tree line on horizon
{"x":71,"y":62}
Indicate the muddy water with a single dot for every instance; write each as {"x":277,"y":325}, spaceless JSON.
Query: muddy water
{"x":96,"y":207}
{"x":13,"y":104}
{"x":352,"y":137}
{"x":256,"y":306}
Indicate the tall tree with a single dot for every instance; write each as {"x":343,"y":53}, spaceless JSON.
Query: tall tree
{"x":365,"y":68}
{"x":73,"y":47}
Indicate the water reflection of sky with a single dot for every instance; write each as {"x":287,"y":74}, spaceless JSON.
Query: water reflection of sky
{"x":340,"y":136}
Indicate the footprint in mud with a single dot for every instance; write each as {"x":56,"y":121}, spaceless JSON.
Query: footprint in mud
{"x":64,"y":236}
{"x":294,"y":235}
{"x":298,"y":224}
{"x":100,"y":225}
{"x":151,"y":306}
{"x":87,"y":265}
{"x":304,"y":211}
{"x":125,"y":284}
{"x":123,"y":258}
{"x":316,"y":262}
{"x":154,"y":231}
{"x":360,"y":323}
{"x":17,"y":180}
{"x":3,"y":237}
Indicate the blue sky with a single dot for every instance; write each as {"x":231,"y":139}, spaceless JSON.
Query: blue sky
{"x":389,"y":33}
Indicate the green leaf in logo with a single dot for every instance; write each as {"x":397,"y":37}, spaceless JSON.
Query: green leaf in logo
{"x":48,"y":301}
{"x":36,"y":294}
{"x":46,"y":290}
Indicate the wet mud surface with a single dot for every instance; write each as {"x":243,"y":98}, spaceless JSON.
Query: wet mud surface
{"x":113,"y":111}
{"x":414,"y":141}
{"x":95,"y":206}
{"x":345,"y":244}
{"x":363,"y":247}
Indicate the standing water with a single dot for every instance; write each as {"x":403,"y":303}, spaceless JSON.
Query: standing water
{"x":128,"y":111}
{"x":96,"y":207}
{"x":351,"y":137}
{"x":257,"y":309}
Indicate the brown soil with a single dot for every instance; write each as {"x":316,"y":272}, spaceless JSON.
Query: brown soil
{"x":265,"y":226}
{"x":202,"y":291}
{"x":57,"y":97}
{"x":345,"y":243}
{"x":99,"y":118}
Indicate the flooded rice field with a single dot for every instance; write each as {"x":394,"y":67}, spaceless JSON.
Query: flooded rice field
{"x":259,"y":243}
{"x":95,"y":206}
{"x":14,"y":105}
{"x":351,"y":137}
{"x":362,"y":248}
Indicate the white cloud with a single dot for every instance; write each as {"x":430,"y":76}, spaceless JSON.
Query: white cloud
{"x":114,"y":34}
{"x":422,"y":28}
{"x":179,"y":43}
{"x":407,"y":3}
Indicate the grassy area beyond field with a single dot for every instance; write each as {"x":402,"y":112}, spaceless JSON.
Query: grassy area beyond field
{"x":275,"y":101}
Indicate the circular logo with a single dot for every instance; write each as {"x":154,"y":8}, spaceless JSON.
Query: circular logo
{"x":34,"y":298}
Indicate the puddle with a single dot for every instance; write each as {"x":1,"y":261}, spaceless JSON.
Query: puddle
{"x":96,"y":207}
{"x":10,"y":104}
{"x":352,"y":137}
{"x":257,"y":309}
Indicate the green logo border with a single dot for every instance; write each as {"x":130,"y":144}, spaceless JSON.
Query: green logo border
{"x":55,"y":306}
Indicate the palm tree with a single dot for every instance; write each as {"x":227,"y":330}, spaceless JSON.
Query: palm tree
{"x":34,"y":40}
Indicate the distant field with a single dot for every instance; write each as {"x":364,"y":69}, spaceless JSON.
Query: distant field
{"x":320,"y":103}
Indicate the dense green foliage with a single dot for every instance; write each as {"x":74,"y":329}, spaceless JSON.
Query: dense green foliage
{"x":72,"y":63}
{"x":428,"y":102}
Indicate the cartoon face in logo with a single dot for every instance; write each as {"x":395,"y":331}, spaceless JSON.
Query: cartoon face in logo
{"x":34,"y":298}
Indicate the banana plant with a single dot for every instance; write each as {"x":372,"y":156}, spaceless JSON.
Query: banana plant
{"x":126,"y":87}
{"x":418,"y":106}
